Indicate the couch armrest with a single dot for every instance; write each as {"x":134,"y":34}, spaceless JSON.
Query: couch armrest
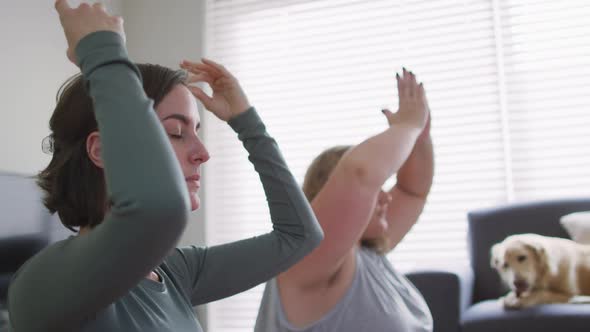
{"x":448,"y":294}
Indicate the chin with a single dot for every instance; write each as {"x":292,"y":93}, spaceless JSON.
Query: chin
{"x":195,"y":202}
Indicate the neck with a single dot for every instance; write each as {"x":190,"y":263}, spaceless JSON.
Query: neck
{"x":84,"y":230}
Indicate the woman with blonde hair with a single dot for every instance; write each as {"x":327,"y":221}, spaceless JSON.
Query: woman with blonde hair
{"x":347,"y":283}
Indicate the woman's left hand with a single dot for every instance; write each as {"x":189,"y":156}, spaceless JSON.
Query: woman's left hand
{"x":228,"y":99}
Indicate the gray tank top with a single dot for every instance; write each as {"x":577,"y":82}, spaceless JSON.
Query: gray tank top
{"x":379,"y":299}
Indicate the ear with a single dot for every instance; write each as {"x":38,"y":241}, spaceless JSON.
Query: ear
{"x":93,"y":149}
{"x":494,"y":254}
{"x":543,"y":259}
{"x":536,"y":248}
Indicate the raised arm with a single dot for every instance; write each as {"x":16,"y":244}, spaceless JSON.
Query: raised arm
{"x":409,"y":194}
{"x":345,"y":204}
{"x":224,"y":270}
{"x":68,"y":282}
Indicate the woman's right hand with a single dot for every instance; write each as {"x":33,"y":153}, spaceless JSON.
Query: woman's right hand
{"x":413,"y":106}
{"x":84,"y":20}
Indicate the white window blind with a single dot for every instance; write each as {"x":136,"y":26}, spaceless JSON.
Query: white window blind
{"x":505,"y":82}
{"x":547,"y":52}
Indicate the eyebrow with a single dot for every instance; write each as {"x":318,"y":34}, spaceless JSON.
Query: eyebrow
{"x":182,"y":119}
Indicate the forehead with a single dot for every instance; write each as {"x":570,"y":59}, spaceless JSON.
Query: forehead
{"x":515,"y":248}
{"x":509,"y":250}
{"x":179,"y":101}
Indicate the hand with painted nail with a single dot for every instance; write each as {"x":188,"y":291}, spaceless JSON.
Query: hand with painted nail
{"x":228,"y":99}
{"x":413,"y":105}
{"x":84,"y":20}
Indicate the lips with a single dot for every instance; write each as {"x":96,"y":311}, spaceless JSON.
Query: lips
{"x":193,"y":181}
{"x":195,"y":177}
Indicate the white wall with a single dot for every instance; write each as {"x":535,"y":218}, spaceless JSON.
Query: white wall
{"x":33,"y":66}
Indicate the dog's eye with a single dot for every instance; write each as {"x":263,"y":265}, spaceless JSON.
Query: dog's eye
{"x":505,"y":265}
{"x":521,"y":258}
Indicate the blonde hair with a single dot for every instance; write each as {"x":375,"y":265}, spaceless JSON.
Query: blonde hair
{"x":317,"y":175}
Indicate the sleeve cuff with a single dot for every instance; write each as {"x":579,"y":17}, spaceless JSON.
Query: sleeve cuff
{"x":243,"y":121}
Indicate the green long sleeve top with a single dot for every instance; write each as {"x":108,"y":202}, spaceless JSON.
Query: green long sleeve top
{"x":96,"y":281}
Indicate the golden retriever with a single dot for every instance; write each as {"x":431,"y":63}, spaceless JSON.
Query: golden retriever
{"x":540,"y":269}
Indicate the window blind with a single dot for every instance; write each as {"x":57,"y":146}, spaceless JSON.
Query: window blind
{"x":547,"y":47}
{"x":319,"y":72}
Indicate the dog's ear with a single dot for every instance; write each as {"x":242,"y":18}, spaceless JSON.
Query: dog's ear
{"x":536,"y":248}
{"x":495,"y":255}
{"x":544,"y":261}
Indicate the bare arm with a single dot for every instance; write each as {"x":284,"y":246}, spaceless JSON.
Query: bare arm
{"x":345,"y":204}
{"x":408,"y":196}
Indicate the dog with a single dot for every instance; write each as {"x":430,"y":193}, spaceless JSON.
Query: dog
{"x":541,"y":270}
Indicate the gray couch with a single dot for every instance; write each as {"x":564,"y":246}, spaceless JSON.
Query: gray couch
{"x":25,"y":228}
{"x":467,"y":299}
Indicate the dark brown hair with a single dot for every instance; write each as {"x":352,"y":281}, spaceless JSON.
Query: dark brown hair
{"x":73,"y":185}
{"x":315,"y":178}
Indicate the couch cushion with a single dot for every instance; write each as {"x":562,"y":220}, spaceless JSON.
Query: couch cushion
{"x":490,"y":316}
{"x":577,"y":225}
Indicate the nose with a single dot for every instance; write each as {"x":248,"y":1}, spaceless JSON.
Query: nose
{"x":520,"y":284}
{"x":199,"y":153}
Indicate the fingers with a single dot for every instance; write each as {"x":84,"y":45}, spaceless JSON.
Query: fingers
{"x":62,"y":6}
{"x":119,"y":22}
{"x":99,"y":6}
{"x":407,"y":85}
{"x":196,"y":67}
{"x":201,"y":96}
{"x":411,"y":82}
{"x":199,"y":77}
{"x":420,"y":92}
{"x":400,"y":85}
{"x":217,"y":66}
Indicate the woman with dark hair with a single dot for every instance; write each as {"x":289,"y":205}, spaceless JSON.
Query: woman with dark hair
{"x":347,"y":283}
{"x":125,"y":154}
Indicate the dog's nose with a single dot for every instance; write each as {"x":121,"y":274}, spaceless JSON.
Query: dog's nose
{"x":520,"y":285}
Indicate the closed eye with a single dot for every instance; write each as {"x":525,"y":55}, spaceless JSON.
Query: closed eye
{"x":175,"y":134}
{"x":521,"y":258}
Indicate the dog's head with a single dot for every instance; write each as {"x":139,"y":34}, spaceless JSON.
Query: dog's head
{"x":521,"y":261}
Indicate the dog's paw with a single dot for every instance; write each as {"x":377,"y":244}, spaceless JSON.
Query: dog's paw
{"x":511,"y":301}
